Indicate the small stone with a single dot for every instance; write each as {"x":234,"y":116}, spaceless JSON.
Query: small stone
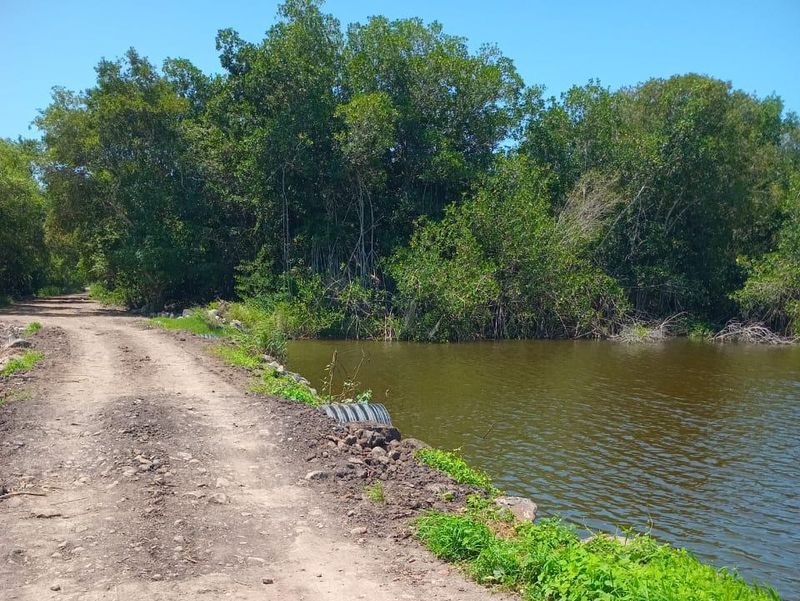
{"x":157,"y":577}
{"x":318,"y":475}
{"x":267,"y":581}
{"x":222,"y":483}
{"x":413,"y":444}
{"x":18,"y":343}
{"x":358,"y":530}
{"x":55,"y":587}
{"x":218,"y":498}
{"x":521,"y":508}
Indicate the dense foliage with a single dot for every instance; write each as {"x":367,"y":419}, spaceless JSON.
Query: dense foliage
{"x":549,"y":561}
{"x":22,"y":214}
{"x":385,"y":180}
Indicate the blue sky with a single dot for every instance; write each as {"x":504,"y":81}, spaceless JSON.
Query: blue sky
{"x":755,"y":44}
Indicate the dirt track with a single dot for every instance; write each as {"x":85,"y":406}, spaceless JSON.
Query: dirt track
{"x":164,"y":480}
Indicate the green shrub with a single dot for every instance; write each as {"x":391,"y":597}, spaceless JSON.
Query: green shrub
{"x":107,"y":296}
{"x":451,"y":463}
{"x":463,"y":277}
{"x":22,"y":363}
{"x":5,"y":301}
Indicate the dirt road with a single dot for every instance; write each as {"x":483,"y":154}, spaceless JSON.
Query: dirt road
{"x":164,"y":480}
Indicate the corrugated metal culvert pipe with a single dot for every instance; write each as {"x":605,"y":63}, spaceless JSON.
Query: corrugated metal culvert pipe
{"x":358,"y":412}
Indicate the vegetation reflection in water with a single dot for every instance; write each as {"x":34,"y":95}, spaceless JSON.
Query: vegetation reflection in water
{"x":692,"y":441}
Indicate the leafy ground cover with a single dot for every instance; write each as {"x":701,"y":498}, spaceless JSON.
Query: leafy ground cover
{"x":548,"y":561}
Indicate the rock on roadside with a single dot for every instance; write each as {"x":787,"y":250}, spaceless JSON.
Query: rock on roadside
{"x":521,"y":508}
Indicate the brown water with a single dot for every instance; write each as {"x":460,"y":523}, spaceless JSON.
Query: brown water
{"x":699,"y":443}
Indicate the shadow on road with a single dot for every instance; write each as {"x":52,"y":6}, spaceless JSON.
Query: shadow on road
{"x":63,"y":306}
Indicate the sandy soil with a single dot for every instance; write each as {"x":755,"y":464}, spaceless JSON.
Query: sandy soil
{"x":164,"y":479}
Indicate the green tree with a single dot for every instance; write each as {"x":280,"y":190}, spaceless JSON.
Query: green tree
{"x":772,"y":290}
{"x":23,"y":256}
{"x":500,"y":265}
{"x":695,"y":162}
{"x":123,"y":189}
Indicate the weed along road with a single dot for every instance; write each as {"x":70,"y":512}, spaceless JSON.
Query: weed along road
{"x":149,"y":472}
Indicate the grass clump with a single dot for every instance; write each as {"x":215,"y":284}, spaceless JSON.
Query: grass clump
{"x":451,"y":463}
{"x":375,"y":492}
{"x":237,"y":356}
{"x":32,"y":327}
{"x":194,"y":323}
{"x":452,"y":537}
{"x":276,"y":384}
{"x":22,"y":363}
{"x":547,"y":561}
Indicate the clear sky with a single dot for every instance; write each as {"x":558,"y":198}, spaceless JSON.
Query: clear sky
{"x":753,"y":43}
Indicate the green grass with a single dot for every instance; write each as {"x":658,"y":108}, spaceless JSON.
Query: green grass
{"x":547,"y":561}
{"x":451,"y":463}
{"x":22,"y":363}
{"x":284,"y":386}
{"x":101,"y":293}
{"x":194,"y":323}
{"x":32,"y":327}
{"x":237,"y":356}
{"x":375,"y":492}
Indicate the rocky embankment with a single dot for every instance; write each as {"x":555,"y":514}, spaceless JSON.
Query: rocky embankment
{"x":346,"y":459}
